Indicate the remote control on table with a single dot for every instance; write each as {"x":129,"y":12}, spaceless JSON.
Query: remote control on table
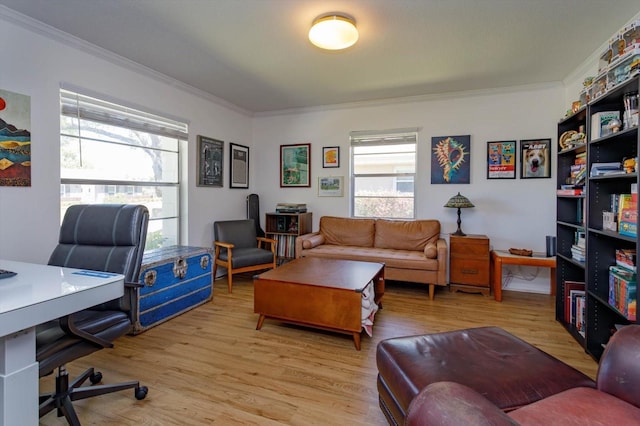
{"x":6,"y":274}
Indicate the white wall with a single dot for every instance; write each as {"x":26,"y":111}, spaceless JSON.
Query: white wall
{"x":35,"y":62}
{"x":512,"y":213}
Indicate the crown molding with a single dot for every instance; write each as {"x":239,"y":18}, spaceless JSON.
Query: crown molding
{"x":52,"y":33}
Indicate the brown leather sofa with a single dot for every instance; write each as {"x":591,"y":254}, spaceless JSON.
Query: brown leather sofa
{"x":411,"y":250}
{"x":615,"y":400}
{"x":504,"y":369}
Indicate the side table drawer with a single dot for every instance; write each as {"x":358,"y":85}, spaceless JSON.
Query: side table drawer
{"x":470,"y":271}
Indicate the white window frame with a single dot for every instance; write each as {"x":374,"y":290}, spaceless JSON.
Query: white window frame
{"x":97,"y":108}
{"x":386,"y":138}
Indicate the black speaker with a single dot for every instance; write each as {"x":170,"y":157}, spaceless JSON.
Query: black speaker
{"x":551,"y":245}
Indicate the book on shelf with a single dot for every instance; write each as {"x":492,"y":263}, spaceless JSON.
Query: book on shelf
{"x":603,"y":169}
{"x":568,"y":287}
{"x":569,"y":191}
{"x":622,"y":291}
{"x":573,"y":296}
{"x":580,"y":323}
{"x":626,"y":258}
{"x":628,"y":214}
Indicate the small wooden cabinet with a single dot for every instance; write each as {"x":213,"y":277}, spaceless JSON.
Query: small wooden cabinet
{"x":285,"y":228}
{"x":469,"y":260}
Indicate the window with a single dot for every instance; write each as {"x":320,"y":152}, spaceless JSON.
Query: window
{"x":114,"y":154}
{"x":383,"y":171}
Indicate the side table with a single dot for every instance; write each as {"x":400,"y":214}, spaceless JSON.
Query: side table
{"x":500,"y":257}
{"x":469,"y":263}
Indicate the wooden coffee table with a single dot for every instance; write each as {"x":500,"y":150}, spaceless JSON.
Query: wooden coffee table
{"x":315,"y":292}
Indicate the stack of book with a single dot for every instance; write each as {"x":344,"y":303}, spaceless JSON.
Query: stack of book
{"x":578,"y":251}
{"x":622,"y":290}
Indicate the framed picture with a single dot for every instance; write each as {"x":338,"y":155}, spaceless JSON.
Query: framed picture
{"x":330,"y":156}
{"x":535,"y":158}
{"x":330,"y":186}
{"x":239,"y":166}
{"x":295,"y":165}
{"x":210,"y":158}
{"x":501,"y":160}
{"x":451,"y":159}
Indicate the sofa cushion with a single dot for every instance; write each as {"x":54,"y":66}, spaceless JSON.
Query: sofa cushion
{"x":578,"y":406}
{"x":402,"y":259}
{"x":431,"y":250}
{"x":347,"y":231}
{"x":406,"y":234}
{"x":313,"y":241}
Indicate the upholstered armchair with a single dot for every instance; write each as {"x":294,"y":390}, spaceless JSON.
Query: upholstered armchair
{"x":239,"y":249}
{"x":107,"y":238}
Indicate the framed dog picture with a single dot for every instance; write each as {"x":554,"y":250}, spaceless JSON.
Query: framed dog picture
{"x":535,"y":158}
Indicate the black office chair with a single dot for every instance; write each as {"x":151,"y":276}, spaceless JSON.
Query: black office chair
{"x":239,"y":249}
{"x":107,"y":238}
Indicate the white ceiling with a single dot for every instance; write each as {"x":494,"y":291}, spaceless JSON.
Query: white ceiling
{"x":255,"y":53}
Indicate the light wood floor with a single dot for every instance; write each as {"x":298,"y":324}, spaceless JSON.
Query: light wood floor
{"x":210,"y":365}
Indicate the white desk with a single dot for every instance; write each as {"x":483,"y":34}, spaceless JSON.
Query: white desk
{"x":38,"y":293}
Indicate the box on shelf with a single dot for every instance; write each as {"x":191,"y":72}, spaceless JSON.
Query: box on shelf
{"x":600,"y":123}
{"x":631,"y":36}
{"x":622,"y":291}
{"x":599,"y":86}
{"x":624,"y":68}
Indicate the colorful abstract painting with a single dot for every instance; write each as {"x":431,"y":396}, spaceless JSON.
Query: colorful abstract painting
{"x":15,"y":139}
{"x":451,"y":159}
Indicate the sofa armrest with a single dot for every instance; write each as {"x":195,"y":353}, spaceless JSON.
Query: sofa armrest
{"x":307,"y":241}
{"x":443,"y":257}
{"x":449,"y":403}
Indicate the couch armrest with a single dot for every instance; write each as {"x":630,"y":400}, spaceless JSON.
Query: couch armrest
{"x":449,"y":403}
{"x":310,"y":240}
{"x":442,"y":262}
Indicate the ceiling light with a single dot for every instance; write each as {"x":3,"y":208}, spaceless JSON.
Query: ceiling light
{"x":333,"y":32}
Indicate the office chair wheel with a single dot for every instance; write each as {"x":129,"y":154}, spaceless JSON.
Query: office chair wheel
{"x":141,"y":392}
{"x":95,"y":378}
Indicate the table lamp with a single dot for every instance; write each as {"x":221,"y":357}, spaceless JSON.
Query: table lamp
{"x":459,"y":202}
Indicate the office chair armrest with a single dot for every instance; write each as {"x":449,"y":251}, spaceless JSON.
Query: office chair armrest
{"x":133,"y":285}
{"x":68,"y":325}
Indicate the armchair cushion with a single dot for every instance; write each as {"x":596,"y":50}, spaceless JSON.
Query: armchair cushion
{"x":247,"y":256}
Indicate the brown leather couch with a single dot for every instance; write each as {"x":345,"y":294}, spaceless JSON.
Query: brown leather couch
{"x":614,"y":401}
{"x":411,"y":250}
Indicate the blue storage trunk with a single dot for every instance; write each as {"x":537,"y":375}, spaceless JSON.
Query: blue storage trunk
{"x":176,"y":279}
